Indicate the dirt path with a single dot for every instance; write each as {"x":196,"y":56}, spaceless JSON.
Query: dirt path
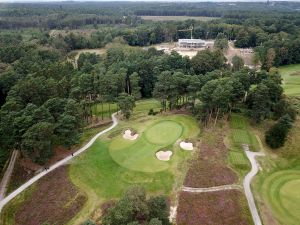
{"x":211,"y":189}
{"x":58,"y":164}
{"x":7,"y":174}
{"x":247,"y":185}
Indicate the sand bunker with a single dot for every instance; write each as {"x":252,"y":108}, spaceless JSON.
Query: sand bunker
{"x":186,"y":146}
{"x":127,"y":135}
{"x":164,"y":155}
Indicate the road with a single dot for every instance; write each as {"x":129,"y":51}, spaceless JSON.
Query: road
{"x":247,"y":185}
{"x":7,"y":174}
{"x":24,"y":186}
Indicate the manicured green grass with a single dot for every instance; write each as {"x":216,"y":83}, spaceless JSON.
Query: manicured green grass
{"x":164,"y":132}
{"x":281,"y":191}
{"x":241,"y":133}
{"x":113,"y":164}
{"x":291,"y":79}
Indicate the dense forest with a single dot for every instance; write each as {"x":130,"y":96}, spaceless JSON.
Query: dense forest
{"x":46,"y":100}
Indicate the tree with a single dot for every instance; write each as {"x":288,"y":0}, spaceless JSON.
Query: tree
{"x":277,"y":134}
{"x":155,"y":221}
{"x":237,"y":63}
{"x":206,"y":61}
{"x":166,"y":90}
{"x":271,"y":54}
{"x":37,"y":141}
{"x":89,"y":222}
{"x":159,"y":209}
{"x":135,"y":89}
{"x":126,"y":104}
{"x":259,"y":103}
{"x":221,"y":42}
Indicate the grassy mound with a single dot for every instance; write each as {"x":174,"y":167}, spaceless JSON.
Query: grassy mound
{"x":281,"y":191}
{"x":291,"y":79}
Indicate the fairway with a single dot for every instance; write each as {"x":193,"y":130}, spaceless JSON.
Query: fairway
{"x":291,"y":79}
{"x":241,"y":133}
{"x":281,"y":190}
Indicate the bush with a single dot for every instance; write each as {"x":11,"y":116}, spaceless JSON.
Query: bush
{"x":89,"y":222}
{"x":276,"y":136}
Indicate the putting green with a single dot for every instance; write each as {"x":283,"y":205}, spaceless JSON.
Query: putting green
{"x":139,"y":155}
{"x":281,"y":190}
{"x":164,"y":132}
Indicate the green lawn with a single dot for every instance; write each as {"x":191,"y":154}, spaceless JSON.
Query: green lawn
{"x":241,"y":133}
{"x":113,"y":164}
{"x":281,"y":190}
{"x":291,"y":79}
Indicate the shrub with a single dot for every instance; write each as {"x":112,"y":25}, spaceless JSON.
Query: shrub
{"x":276,"y":136}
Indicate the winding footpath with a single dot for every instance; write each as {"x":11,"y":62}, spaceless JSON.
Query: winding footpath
{"x":8,"y":198}
{"x":247,"y":185}
{"x":212,"y":189}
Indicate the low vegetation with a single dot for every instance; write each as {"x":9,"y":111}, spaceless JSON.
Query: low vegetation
{"x":222,"y":207}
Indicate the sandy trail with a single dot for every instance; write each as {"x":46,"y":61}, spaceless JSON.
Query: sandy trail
{"x":24,"y":186}
{"x":212,"y":189}
{"x":7,"y":175}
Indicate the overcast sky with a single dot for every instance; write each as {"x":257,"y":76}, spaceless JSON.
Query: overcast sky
{"x":1,"y":1}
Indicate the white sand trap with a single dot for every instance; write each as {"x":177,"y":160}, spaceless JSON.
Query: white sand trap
{"x":127,"y":135}
{"x":186,"y":146}
{"x":164,"y":155}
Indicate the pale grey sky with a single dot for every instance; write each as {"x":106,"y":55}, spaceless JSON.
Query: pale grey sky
{"x":2,"y":1}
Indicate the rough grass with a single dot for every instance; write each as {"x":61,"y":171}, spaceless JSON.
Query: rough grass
{"x":8,"y":213}
{"x":53,"y":200}
{"x":214,"y":208}
{"x":291,"y":79}
{"x":209,"y":168}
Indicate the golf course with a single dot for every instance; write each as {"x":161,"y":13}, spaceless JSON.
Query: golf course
{"x":281,"y":190}
{"x":291,"y":79}
{"x":114,"y":163}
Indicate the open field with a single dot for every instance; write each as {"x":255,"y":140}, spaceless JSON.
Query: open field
{"x":291,"y":79}
{"x":113,"y":163}
{"x":178,"y":18}
{"x":214,"y":208}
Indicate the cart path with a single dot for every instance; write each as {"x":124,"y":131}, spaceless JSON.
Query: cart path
{"x":24,"y":186}
{"x":247,"y":185}
{"x":7,"y":175}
